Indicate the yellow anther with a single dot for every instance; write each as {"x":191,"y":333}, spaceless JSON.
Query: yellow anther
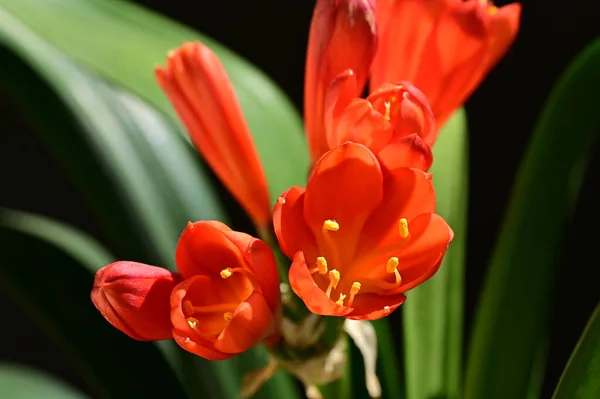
{"x":190,"y":225}
{"x":281,"y":200}
{"x":192,"y":322}
{"x":334,"y":279}
{"x":388,"y":110}
{"x":492,"y":10}
{"x":322,"y":265}
{"x":392,"y":264}
{"x":353,"y":291}
{"x":188,"y":308}
{"x":341,"y":300}
{"x":392,"y":267}
{"x":331,"y":225}
{"x":228,"y":316}
{"x":403,"y":228}
{"x":226,"y":273}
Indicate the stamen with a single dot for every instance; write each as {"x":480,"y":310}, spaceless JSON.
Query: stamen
{"x":403,"y":228}
{"x":226,"y":273}
{"x":189,"y":309}
{"x":331,"y":225}
{"x":353,"y":291}
{"x":321,"y":266}
{"x":228,"y":316}
{"x":192,"y":322}
{"x":190,"y":225}
{"x":388,"y":110}
{"x":392,"y":267}
{"x":334,"y":279}
{"x":341,"y":300}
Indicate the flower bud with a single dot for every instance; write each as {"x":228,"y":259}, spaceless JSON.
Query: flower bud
{"x":134,"y":298}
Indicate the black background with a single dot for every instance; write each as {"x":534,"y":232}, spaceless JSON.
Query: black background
{"x":273,"y":35}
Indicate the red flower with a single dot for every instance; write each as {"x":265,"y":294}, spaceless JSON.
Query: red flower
{"x":201,"y":93}
{"x":342,"y":35}
{"x":224,"y":300}
{"x":360,"y":234}
{"x":394,"y":121}
{"x":133,"y":297}
{"x":444,"y":47}
{"x":229,"y":298}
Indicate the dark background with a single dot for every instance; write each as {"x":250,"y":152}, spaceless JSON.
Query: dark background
{"x":273,"y":35}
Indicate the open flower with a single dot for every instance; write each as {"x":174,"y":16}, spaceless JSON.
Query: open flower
{"x":224,"y":300}
{"x":229,"y":297}
{"x":395,"y":122}
{"x":201,"y":93}
{"x":444,"y":47}
{"x":360,"y":234}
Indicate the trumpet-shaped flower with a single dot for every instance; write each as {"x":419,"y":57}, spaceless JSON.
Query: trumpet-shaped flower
{"x":224,"y":300}
{"x":444,"y":47}
{"x":342,"y":35}
{"x":201,"y":93}
{"x":360,"y":234}
{"x":394,"y":121}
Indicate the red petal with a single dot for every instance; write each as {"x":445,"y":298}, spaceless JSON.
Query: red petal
{"x":342,"y":91}
{"x":407,"y":194}
{"x":374,"y":306}
{"x":346,"y":185}
{"x":203,"y":248}
{"x":314,"y":298}
{"x":362,"y":124}
{"x":411,"y":151}
{"x":251,"y":323}
{"x":290,"y":226}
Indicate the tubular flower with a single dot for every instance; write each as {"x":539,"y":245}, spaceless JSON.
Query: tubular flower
{"x":201,"y":93}
{"x":224,"y":300}
{"x":360,"y":234}
{"x":229,"y":297}
{"x":134,"y":298}
{"x":342,"y":35}
{"x":395,"y":121}
{"x":444,"y":47}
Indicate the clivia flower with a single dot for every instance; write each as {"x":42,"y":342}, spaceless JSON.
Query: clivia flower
{"x":224,"y":300}
{"x":360,"y":234}
{"x":395,"y":122}
{"x":435,"y":49}
{"x":203,"y":96}
{"x":444,"y":47}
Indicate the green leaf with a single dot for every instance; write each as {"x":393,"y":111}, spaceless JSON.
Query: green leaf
{"x":516,"y":302}
{"x":388,"y":367}
{"x":123,"y":42}
{"x":20,"y":382}
{"x":49,"y":268}
{"x":433,"y":312}
{"x":580,"y":379}
{"x":140,"y":177}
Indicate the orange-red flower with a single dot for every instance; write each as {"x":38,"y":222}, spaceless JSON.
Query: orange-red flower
{"x":229,"y":298}
{"x":201,"y":93}
{"x":360,"y":234}
{"x":342,"y":35}
{"x":444,"y":47}
{"x":134,"y":298}
{"x":224,"y":300}
{"x":395,"y":122}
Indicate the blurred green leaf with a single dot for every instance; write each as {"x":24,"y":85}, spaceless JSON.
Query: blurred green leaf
{"x":388,"y":367}
{"x":48,"y":268}
{"x":518,"y":294}
{"x":123,"y":42}
{"x":20,"y":382}
{"x":433,"y":312}
{"x":581,"y":377}
{"x":140,"y":177}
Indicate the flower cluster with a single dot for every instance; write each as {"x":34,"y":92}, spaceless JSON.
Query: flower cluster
{"x":363,"y":231}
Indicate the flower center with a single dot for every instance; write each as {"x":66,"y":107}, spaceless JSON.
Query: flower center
{"x":334,"y":276}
